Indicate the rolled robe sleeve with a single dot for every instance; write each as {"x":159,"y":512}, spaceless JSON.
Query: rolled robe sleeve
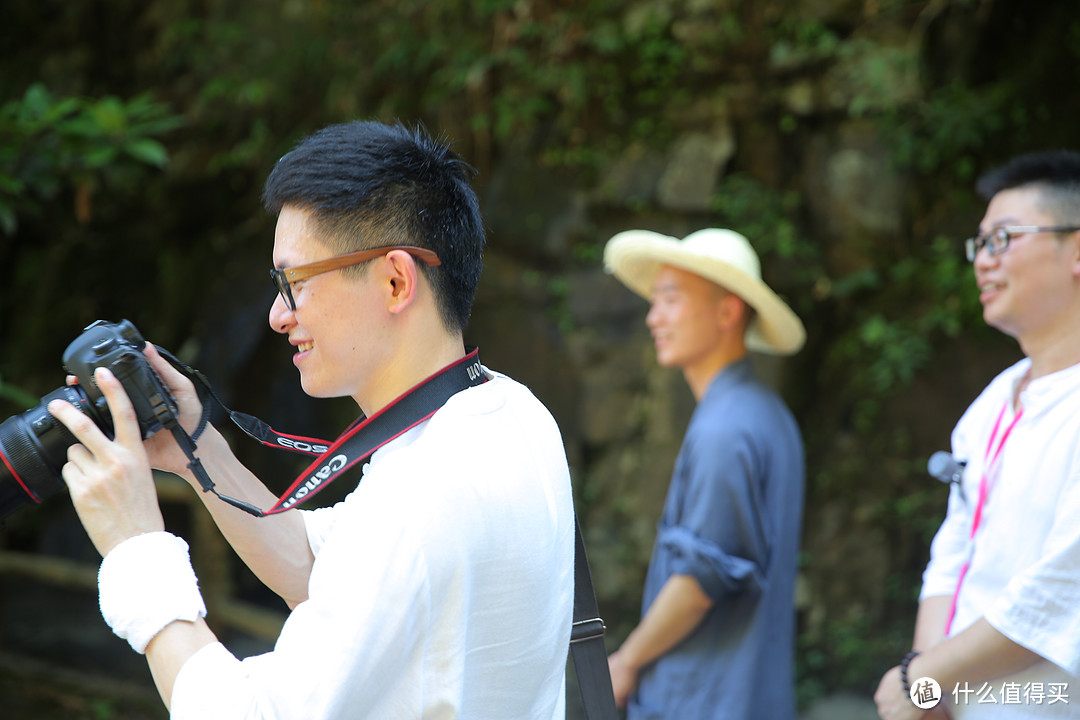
{"x":722,"y":536}
{"x":717,"y":572}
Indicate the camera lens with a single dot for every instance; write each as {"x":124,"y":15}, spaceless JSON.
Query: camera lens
{"x":33,"y":448}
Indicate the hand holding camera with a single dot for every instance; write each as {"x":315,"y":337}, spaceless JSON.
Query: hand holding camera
{"x":161,"y":448}
{"x":110,"y":481}
{"x":125,"y":392}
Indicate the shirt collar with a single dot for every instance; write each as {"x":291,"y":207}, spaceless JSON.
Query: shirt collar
{"x":1046,"y":391}
{"x":734,"y":373}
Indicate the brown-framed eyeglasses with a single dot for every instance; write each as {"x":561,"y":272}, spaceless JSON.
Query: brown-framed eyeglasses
{"x":283,"y":278}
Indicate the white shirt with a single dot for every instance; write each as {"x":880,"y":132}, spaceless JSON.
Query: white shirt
{"x":442,"y":586}
{"x":1024,"y":574}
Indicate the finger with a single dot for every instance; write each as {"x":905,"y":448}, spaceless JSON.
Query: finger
{"x":78,"y":454}
{"x":83,"y":428}
{"x":173,"y":378}
{"x":74,"y":477}
{"x":125,"y":423}
{"x":178,"y":383}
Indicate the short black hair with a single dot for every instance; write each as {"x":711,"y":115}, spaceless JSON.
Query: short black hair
{"x":1056,"y":173}
{"x":369,"y":184}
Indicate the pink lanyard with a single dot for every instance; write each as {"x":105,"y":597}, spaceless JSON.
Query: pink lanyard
{"x":990,"y":461}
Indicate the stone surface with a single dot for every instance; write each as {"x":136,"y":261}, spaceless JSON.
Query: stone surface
{"x":842,"y":706}
{"x":694,"y":170}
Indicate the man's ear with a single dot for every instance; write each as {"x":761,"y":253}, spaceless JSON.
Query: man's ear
{"x":402,"y":279}
{"x":1074,"y":248}
{"x":730,"y":311}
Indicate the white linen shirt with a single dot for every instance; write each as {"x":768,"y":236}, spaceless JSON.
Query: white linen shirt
{"x":1024,"y":576}
{"x":442,"y":586}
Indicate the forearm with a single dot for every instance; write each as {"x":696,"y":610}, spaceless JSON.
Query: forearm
{"x":678,"y":609}
{"x":276,"y":547}
{"x":978,"y":654}
{"x":171,"y":648}
{"x":930,"y":622}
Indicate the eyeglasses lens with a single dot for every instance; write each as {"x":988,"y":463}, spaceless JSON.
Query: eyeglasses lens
{"x":283,"y":288}
{"x":995,"y":242}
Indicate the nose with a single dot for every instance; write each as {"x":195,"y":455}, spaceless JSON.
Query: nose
{"x":281,"y":317}
{"x":652,"y":318}
{"x":983,"y":259}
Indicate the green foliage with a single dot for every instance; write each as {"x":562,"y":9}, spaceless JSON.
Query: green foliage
{"x":895,"y":318}
{"x":569,"y":84}
{"x":796,"y":41}
{"x":892,"y":314}
{"x":589,"y":77}
{"x":946,"y":130}
{"x":769,"y":216}
{"x":48,"y":143}
{"x":16,"y":395}
{"x":853,"y":652}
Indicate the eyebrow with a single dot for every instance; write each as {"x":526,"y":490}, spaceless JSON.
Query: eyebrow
{"x":285,"y":264}
{"x":1003,"y":222}
{"x":667,"y":287}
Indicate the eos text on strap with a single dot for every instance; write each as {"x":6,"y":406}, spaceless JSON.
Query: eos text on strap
{"x":356,"y":444}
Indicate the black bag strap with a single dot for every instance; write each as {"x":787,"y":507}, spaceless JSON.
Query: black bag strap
{"x":587,"y":640}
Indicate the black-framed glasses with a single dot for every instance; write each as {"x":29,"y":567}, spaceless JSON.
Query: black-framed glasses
{"x":997,"y":240}
{"x":283,"y":278}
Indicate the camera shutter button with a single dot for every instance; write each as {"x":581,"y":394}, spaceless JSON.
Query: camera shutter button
{"x":104,"y":346}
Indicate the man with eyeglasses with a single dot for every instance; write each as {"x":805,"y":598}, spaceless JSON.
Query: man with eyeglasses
{"x":998,"y":626}
{"x":442,"y":585}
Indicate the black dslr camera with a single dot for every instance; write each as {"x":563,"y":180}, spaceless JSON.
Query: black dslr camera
{"x":33,"y":445}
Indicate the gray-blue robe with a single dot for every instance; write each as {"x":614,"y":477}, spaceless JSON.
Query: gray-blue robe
{"x":732,"y":520}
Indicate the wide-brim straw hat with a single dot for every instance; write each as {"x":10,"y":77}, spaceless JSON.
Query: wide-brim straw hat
{"x":721,"y":256}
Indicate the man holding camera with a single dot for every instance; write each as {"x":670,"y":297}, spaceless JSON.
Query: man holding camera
{"x":442,"y":586}
{"x":999,"y":611}
{"x":717,"y":633}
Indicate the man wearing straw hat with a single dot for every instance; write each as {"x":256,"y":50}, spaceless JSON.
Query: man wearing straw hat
{"x":716,"y":637}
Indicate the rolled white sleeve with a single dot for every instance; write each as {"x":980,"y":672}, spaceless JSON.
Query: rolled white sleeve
{"x":213,"y":685}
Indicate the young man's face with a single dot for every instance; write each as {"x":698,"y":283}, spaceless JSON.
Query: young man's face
{"x":1026,"y":291}
{"x":684,"y":318}
{"x":336,"y":325}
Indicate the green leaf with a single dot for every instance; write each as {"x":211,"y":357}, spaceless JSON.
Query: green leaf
{"x":148,"y":151}
{"x":8,"y":222}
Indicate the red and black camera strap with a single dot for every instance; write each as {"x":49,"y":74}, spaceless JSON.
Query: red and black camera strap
{"x":355,"y":445}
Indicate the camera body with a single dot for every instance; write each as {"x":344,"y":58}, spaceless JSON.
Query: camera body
{"x":118,"y":347}
{"x":33,"y":445}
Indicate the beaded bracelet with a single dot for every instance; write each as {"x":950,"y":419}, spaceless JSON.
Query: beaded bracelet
{"x":903,"y":671}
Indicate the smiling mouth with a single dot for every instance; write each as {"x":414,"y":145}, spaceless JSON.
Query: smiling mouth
{"x":991,"y":287}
